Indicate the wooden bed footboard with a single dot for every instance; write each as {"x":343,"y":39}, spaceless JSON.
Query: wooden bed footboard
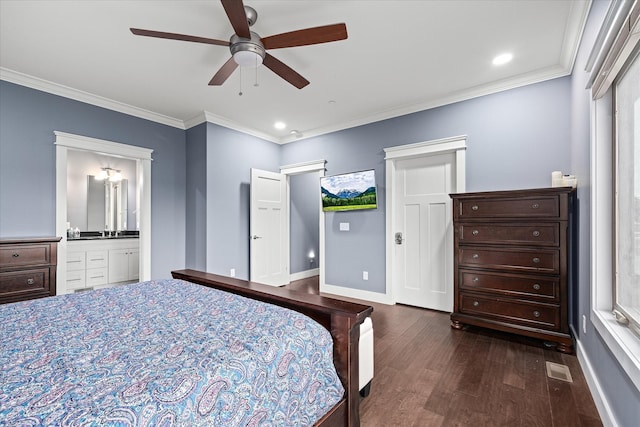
{"x":341,"y":318}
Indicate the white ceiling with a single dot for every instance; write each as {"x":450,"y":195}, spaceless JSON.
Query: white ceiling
{"x":400,"y":57}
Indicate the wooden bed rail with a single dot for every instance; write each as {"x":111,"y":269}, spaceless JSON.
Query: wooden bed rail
{"x":341,"y":318}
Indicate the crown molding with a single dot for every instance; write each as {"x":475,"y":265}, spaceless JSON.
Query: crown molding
{"x":86,"y":97}
{"x":538,"y":76}
{"x":206,"y":116}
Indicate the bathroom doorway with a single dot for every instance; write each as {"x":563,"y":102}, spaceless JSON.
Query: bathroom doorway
{"x":142,"y":156}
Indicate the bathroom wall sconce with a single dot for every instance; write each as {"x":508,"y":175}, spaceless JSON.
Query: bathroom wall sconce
{"x":112,"y":175}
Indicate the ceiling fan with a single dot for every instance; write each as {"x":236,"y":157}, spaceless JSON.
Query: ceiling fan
{"x":248,"y":49}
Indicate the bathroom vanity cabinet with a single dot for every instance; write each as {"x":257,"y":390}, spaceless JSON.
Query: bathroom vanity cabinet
{"x":101,"y":263}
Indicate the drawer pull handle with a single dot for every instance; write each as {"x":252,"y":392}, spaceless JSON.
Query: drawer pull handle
{"x":536,"y":260}
{"x":476,"y":280}
{"x":474,"y":207}
{"x":73,"y":260}
{"x":535,"y":206}
{"x":536,"y":313}
{"x":97,"y":277}
{"x":73,"y":280}
{"x":30,"y":281}
{"x":475,"y":256}
{"x":475,"y":232}
{"x":15,"y":255}
{"x":476,"y":303}
{"x":536,"y":233}
{"x":536,"y":286}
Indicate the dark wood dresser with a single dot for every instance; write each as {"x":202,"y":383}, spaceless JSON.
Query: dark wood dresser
{"x":28,"y":268}
{"x":512,"y":252}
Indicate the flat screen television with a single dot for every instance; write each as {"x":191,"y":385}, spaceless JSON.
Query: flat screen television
{"x":349,"y":191}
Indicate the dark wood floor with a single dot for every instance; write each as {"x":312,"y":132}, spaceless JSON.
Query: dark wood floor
{"x":428,"y":374}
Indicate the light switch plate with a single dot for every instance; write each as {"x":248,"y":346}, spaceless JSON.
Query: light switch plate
{"x":344,"y":226}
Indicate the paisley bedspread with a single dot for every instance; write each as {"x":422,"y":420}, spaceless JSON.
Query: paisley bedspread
{"x":162,"y":353}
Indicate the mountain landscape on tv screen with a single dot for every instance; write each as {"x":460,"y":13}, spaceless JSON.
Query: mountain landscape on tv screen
{"x":349,"y":199}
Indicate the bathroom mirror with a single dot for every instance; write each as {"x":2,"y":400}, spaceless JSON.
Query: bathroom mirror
{"x":106,"y":204}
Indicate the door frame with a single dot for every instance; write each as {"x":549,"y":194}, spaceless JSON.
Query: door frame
{"x":455,"y":144}
{"x":317,"y":166}
{"x":142,"y":156}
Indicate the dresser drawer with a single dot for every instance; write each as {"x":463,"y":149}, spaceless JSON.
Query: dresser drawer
{"x":513,"y":234}
{"x":36,"y":279}
{"x":97,"y":259}
{"x":537,"y":315}
{"x":518,"y":259}
{"x":19,"y":256}
{"x":520,"y":207}
{"x":517,"y":285}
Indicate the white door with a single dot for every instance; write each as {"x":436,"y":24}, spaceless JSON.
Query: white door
{"x":269,"y":232}
{"x":423,"y":231}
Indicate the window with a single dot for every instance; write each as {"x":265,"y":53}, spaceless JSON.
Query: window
{"x":627,"y":189}
{"x":615,"y":169}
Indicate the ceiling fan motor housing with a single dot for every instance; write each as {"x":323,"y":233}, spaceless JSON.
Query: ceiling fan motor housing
{"x":241,"y":46}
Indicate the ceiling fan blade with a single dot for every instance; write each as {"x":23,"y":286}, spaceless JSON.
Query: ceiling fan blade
{"x":237,"y":17}
{"x":224,"y":72}
{"x":174,"y":36}
{"x":315,"y":35}
{"x":284,"y":71}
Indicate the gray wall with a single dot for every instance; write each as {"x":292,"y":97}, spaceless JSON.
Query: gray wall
{"x":230,"y":157}
{"x":622,"y":395}
{"x":515,"y":140}
{"x":196,"y":198}
{"x":304,"y":235}
{"x":28,"y":166}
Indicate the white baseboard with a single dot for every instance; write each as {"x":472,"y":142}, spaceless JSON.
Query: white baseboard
{"x":304,"y":274}
{"x":355,"y":293}
{"x":599,"y":397}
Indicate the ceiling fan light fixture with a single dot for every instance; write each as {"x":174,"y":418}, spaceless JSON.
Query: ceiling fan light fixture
{"x":247,"y":59}
{"x":247,"y":53}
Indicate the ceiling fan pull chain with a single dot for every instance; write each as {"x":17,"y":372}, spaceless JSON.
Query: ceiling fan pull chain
{"x":240,"y":93}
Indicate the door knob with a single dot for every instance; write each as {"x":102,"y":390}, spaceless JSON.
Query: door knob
{"x":399,"y":238}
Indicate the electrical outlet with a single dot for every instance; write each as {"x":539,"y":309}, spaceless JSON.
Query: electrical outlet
{"x":584,"y":324}
{"x":365,"y":275}
{"x":232,"y":272}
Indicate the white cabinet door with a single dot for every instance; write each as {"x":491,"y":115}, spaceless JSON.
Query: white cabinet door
{"x":118,"y":265}
{"x":134,"y":264}
{"x":124,"y":265}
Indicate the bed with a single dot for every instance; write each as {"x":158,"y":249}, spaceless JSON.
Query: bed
{"x":152,"y":353}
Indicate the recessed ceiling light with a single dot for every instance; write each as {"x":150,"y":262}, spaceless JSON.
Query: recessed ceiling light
{"x":279,"y":125}
{"x":502,"y":59}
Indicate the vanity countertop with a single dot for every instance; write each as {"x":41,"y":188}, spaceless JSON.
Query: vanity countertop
{"x":101,"y":238}
{"x":96,"y":235}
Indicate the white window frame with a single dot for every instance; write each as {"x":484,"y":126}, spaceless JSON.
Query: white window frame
{"x":621,"y":341}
